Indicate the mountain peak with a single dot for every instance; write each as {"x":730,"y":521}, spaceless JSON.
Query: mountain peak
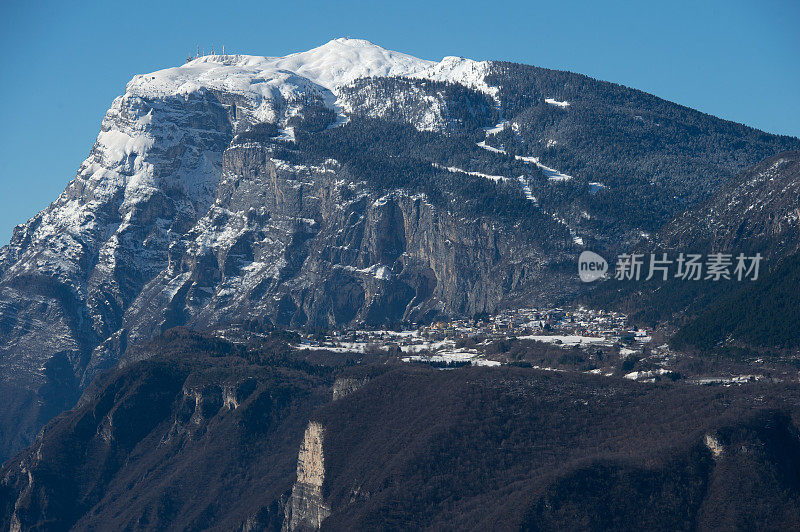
{"x":331,"y":65}
{"x":343,"y":60}
{"x":349,"y":41}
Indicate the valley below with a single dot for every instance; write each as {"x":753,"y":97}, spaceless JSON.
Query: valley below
{"x":272,"y":434}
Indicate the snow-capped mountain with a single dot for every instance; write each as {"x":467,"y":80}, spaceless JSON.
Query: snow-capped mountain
{"x":331,"y":65}
{"x":270,"y":83}
{"x":344,"y":184}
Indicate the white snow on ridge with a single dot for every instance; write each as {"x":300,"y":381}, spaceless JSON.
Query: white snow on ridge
{"x":595,"y":187}
{"x":636,"y":375}
{"x":329,"y":66}
{"x":379,"y":271}
{"x":272,"y":86}
{"x":496,"y":129}
{"x":554,"y":175}
{"x":322,"y":70}
{"x":287,"y":134}
{"x":526,"y":189}
{"x":119,"y":144}
{"x":237,"y":74}
{"x":459,"y":70}
{"x":482,"y":144}
{"x":343,"y":60}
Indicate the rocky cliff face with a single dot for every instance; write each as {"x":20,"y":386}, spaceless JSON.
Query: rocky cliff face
{"x":71,"y":272}
{"x":306,"y":507}
{"x":298,"y":245}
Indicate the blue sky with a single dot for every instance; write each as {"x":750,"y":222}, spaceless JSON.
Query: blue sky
{"x":64,"y":62}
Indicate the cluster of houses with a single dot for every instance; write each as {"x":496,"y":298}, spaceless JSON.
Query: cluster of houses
{"x":579,"y":322}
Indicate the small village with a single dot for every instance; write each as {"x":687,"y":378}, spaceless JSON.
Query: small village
{"x":444,"y":341}
{"x":607,"y":342}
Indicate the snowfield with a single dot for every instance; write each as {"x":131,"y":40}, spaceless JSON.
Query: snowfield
{"x":271,"y":82}
{"x":459,"y":70}
{"x":565,"y":340}
{"x":331,"y":65}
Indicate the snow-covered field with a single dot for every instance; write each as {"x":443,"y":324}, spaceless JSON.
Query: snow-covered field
{"x":453,"y":356}
{"x":568,"y":340}
{"x":418,"y":351}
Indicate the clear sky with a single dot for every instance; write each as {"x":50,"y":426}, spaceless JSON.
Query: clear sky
{"x":62,"y":63}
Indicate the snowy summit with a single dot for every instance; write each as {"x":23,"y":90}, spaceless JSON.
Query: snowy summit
{"x":324,"y":68}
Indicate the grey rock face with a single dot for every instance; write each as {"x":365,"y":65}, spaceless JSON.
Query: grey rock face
{"x":306,"y":508}
{"x":301,"y":246}
{"x":70,"y":273}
